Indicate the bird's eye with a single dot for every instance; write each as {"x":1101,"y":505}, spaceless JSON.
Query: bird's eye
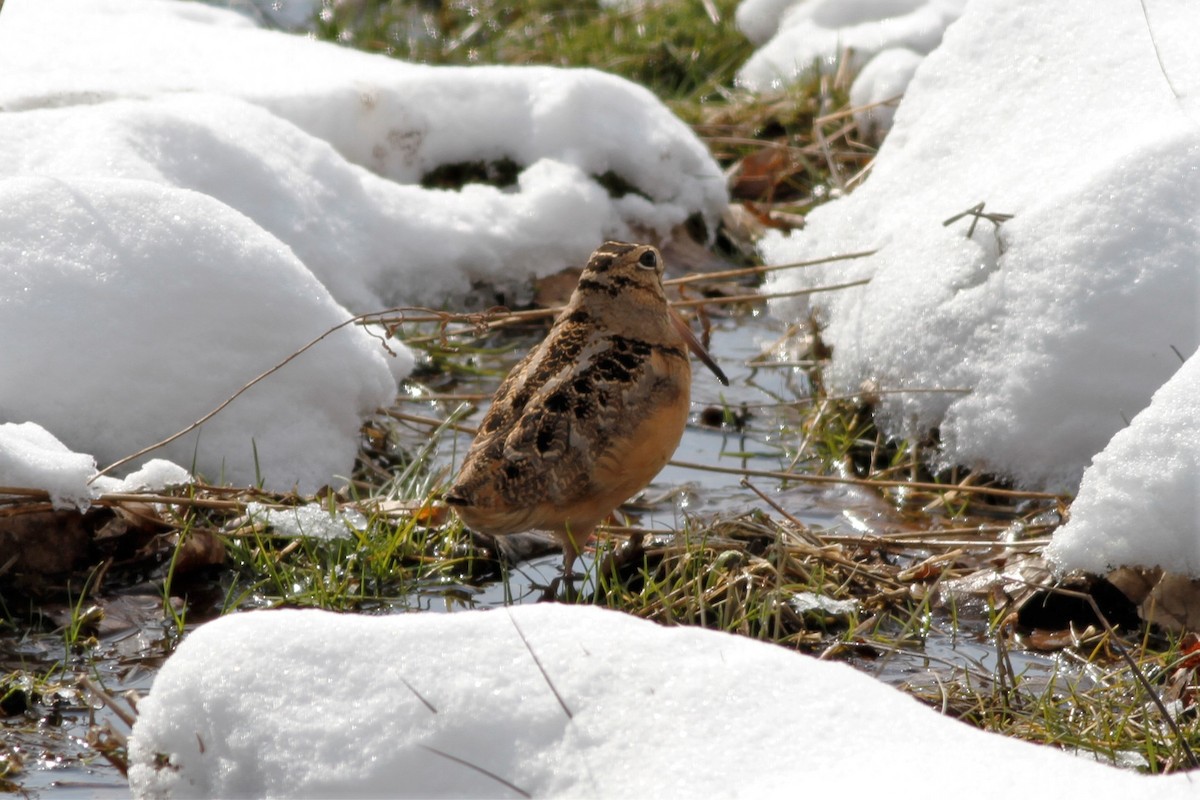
{"x":649,"y":260}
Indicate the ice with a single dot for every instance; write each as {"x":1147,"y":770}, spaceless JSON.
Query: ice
{"x":311,"y":520}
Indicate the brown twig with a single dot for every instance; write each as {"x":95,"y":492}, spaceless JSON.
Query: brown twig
{"x":917,"y":485}
{"x":507,"y":318}
{"x":759,"y":296}
{"x":737,"y":273}
{"x":109,"y":701}
{"x":373,"y":317}
{"x":432,"y":421}
{"x":113,"y":499}
{"x":848,"y":112}
{"x":541,"y":668}
{"x":477,"y":768}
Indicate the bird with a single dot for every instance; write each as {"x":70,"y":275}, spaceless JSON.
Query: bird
{"x":591,"y":414}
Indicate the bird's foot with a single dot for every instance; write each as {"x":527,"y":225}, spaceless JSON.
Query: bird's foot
{"x":563,"y":587}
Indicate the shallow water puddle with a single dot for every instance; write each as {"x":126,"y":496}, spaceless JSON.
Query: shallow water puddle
{"x":48,"y":743}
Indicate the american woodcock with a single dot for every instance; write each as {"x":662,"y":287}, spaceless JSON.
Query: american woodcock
{"x":591,"y":414}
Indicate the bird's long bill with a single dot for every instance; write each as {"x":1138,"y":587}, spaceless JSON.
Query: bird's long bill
{"x":694,"y":345}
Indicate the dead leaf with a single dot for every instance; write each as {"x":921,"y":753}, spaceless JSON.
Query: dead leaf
{"x":1041,"y":639}
{"x":741,"y":223}
{"x":200,"y":548}
{"x":1189,"y":645}
{"x":555,"y":290}
{"x":1173,"y":604}
{"x":929,"y":568}
{"x":432,"y":516}
{"x":760,"y":173}
{"x":1134,"y":582}
{"x":684,"y":254}
{"x":785,"y":219}
{"x":1168,"y":600}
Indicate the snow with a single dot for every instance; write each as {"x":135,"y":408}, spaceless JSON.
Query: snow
{"x":798,"y":35}
{"x":32,"y":458}
{"x":875,"y":92}
{"x":290,"y":15}
{"x":314,"y":704}
{"x":398,"y":120}
{"x":1139,"y":503}
{"x":189,"y":199}
{"x":154,"y":476}
{"x":143,"y":307}
{"x":759,"y":19}
{"x":808,"y":602}
{"x":1052,"y":331}
{"x":311,"y":520}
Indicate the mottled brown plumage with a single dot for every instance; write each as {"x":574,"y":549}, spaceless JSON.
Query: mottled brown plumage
{"x":591,"y":414}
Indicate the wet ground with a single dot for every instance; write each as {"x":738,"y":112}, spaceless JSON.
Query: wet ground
{"x":50,"y":740}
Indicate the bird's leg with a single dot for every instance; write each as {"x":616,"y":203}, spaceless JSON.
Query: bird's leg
{"x":570,"y":553}
{"x":573,"y":540}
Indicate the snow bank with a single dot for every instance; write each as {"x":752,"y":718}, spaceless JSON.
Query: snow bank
{"x":563,"y":128}
{"x":1051,"y":332}
{"x":798,"y":35}
{"x":139,"y":308}
{"x":1139,"y":504}
{"x":759,"y":19}
{"x":1060,"y":325}
{"x":313,"y":704}
{"x":193,"y":198}
{"x":354,"y":230}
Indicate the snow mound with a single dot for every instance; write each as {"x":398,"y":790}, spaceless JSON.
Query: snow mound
{"x":141,"y":308}
{"x":31,"y":458}
{"x":1051,"y":330}
{"x":759,"y":19}
{"x":314,"y":704}
{"x":800,"y":35}
{"x":1054,"y":329}
{"x":564,"y":129}
{"x":154,"y":476}
{"x":290,"y":173}
{"x":364,"y":237}
{"x":1139,"y":504}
